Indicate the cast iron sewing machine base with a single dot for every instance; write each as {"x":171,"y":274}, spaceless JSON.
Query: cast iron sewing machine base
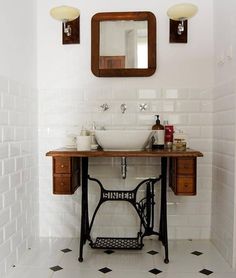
{"x":144,"y":209}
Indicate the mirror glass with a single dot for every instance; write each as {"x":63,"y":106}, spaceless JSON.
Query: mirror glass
{"x":123,"y":44}
{"x":129,"y":47}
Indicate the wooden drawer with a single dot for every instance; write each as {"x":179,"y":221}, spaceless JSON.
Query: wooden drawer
{"x":182,"y":175}
{"x":66,"y":175}
{"x":185,"y":185}
{"x":62,"y":165}
{"x":185,"y":166}
{"x":62,"y":184}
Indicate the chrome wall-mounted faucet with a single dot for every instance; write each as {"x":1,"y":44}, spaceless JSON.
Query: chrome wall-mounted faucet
{"x":123,"y":108}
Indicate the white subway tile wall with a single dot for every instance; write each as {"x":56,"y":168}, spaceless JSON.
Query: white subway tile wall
{"x":63,"y":112}
{"x":223,"y":188}
{"x":18,"y":171}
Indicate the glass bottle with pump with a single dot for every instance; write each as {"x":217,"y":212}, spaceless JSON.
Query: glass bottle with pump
{"x":159,"y":135}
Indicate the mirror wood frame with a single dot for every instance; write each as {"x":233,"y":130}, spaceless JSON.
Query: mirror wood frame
{"x":95,"y":44}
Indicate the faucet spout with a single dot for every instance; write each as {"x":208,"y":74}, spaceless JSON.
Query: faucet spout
{"x":123,"y":108}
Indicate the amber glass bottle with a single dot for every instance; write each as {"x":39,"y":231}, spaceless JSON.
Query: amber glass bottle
{"x":159,"y":135}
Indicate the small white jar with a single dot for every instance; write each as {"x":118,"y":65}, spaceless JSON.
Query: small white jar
{"x":83,"y":142}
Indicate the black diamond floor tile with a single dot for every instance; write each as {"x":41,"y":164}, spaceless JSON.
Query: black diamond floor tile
{"x":56,"y":268}
{"x":152,"y":252}
{"x":155,"y":271}
{"x":66,"y":250}
{"x":105,"y":270}
{"x":109,"y":252}
{"x":206,"y":271}
{"x":197,"y":253}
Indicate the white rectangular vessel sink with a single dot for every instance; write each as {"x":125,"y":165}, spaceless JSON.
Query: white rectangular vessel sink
{"x":123,"y":140}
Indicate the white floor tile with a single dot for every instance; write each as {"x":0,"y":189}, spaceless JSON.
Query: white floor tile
{"x":41,"y":258}
{"x":72,"y":273}
{"x":27,"y":272}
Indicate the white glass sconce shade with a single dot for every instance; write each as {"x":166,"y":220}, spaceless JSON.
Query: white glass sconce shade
{"x":181,"y":12}
{"x":64,"y":13}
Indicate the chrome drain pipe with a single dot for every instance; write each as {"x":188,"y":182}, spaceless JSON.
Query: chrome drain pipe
{"x":123,"y":167}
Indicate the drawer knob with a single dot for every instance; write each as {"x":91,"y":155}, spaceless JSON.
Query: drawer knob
{"x":185,"y":185}
{"x":62,"y":166}
{"x":62,"y":183}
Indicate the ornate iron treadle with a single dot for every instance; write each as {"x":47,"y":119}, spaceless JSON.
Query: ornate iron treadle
{"x":116,"y":243}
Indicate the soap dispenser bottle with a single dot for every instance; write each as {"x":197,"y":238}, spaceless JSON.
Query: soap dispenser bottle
{"x":159,"y":135}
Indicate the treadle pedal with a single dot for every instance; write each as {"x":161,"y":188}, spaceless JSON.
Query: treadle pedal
{"x":116,"y":243}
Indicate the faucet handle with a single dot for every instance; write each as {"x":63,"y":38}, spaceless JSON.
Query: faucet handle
{"x":104,"y":107}
{"x":143,"y":106}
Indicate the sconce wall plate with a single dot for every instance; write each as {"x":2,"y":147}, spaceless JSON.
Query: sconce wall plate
{"x":74,"y":38}
{"x":174,"y":36}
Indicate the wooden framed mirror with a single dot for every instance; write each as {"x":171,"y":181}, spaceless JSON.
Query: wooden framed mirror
{"x":123,"y":44}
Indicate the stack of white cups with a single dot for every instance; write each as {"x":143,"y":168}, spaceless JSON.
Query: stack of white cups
{"x":83,"y":141}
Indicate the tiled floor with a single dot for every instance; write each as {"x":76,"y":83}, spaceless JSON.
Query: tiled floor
{"x":58,"y":258}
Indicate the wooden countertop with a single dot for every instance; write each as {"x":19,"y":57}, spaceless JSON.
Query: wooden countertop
{"x":65,"y":152}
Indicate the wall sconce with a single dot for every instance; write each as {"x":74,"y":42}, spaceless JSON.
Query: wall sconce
{"x":179,"y":15}
{"x":70,"y":19}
